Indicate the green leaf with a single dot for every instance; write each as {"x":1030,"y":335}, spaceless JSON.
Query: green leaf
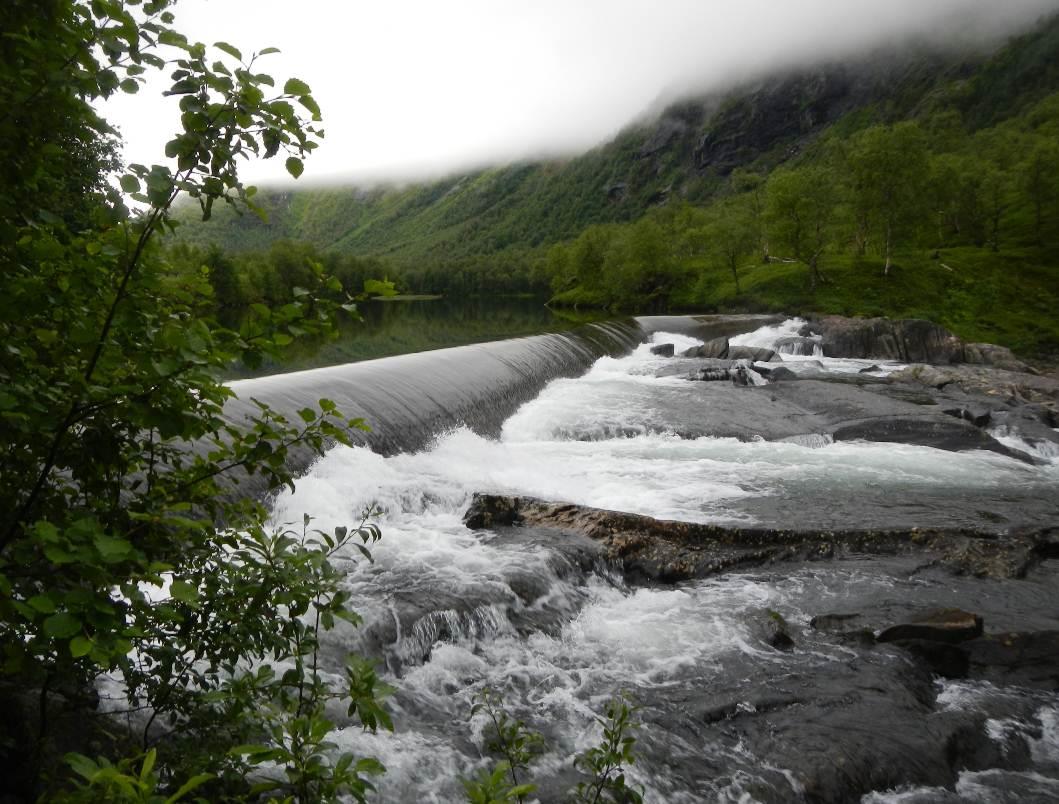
{"x":268,"y":51}
{"x":58,"y":555}
{"x":295,"y":87}
{"x":294,"y":166}
{"x":111,"y":548}
{"x":61,"y":626}
{"x":188,"y":786}
{"x":229,"y":49}
{"x":80,"y":646}
{"x":42,"y":603}
{"x":184,"y":592}
{"x":82,"y":765}
{"x":130,"y":184}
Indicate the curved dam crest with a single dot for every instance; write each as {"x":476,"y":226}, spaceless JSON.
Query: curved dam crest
{"x":409,"y":399}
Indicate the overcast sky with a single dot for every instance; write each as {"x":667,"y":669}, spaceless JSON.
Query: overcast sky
{"x":413,"y":88}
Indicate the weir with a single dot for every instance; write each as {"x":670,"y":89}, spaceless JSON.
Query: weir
{"x":409,"y":399}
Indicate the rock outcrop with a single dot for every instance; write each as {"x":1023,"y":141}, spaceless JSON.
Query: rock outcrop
{"x":910,"y":340}
{"x":661,"y":551}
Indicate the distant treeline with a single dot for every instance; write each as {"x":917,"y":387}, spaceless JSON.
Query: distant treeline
{"x":272,"y":276}
{"x":878,"y":195}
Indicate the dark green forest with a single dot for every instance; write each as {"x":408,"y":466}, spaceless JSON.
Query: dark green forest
{"x":917,"y":184}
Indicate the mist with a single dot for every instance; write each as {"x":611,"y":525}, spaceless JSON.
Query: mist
{"x":413,"y":89}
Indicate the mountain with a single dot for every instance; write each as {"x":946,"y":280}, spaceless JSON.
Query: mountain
{"x":685,"y":152}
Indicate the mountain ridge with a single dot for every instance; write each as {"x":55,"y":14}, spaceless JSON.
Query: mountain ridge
{"x":686,"y":152}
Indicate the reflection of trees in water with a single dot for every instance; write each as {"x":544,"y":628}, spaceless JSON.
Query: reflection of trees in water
{"x":402,"y":327}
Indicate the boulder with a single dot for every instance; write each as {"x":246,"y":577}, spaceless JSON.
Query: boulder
{"x":942,"y":658}
{"x":925,"y":375}
{"x":907,"y":340}
{"x":663,"y":350}
{"x":778,"y":374}
{"x":849,"y":628}
{"x":1022,"y":659}
{"x":979,"y":417}
{"x":942,"y":432}
{"x":660,"y":551}
{"x":770,"y":627}
{"x":750,"y":353}
{"x":989,"y":354}
{"x":943,"y":625}
{"x":716,"y":348}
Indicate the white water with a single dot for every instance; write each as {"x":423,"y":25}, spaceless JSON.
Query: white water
{"x":597,"y":440}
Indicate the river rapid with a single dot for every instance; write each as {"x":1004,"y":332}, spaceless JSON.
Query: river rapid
{"x":450,"y":611}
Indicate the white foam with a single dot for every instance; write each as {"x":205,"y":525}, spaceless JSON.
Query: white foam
{"x":607,"y":638}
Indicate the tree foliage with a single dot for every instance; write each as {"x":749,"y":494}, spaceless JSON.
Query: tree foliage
{"x":125,"y":548}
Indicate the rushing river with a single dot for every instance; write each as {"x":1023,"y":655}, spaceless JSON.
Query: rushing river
{"x":450,"y":611}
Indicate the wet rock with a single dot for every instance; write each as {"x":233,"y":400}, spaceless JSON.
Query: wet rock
{"x":1020,"y":659}
{"x":492,"y":510}
{"x":715,"y":348}
{"x":956,"y":437}
{"x":998,"y":384}
{"x":910,"y":395}
{"x":651,"y":550}
{"x":663,"y":350}
{"x":851,"y":411}
{"x":849,"y":628}
{"x":750,"y":353}
{"x":869,"y":370}
{"x":932,"y":376}
{"x":842,"y":729}
{"x":943,"y":659}
{"x":907,"y":340}
{"x":990,"y":354}
{"x":976,"y":416}
{"x":778,"y":374}
{"x":770,"y":627}
{"x":943,"y":625}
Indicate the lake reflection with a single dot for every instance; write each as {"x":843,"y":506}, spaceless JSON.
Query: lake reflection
{"x":401,"y":326}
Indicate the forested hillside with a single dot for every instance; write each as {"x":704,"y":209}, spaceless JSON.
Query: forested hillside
{"x":907,"y":182}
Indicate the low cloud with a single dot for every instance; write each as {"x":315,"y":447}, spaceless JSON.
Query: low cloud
{"x":415,"y":88}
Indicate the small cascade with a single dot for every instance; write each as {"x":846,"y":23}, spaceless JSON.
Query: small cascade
{"x":799,"y":346}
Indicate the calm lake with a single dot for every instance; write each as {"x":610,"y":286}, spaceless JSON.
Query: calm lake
{"x":401,"y":326}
